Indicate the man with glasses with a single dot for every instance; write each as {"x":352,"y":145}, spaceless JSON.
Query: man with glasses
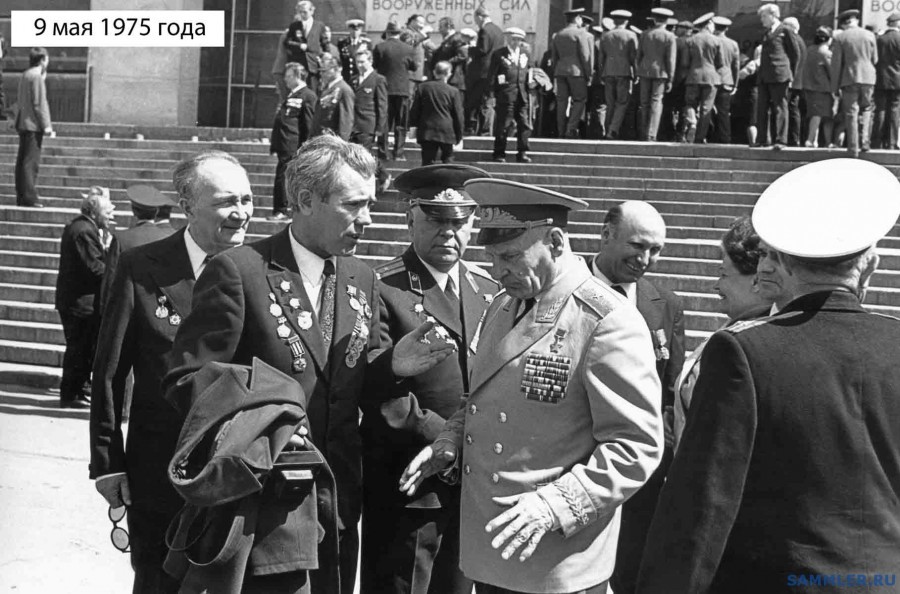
{"x":149,"y":297}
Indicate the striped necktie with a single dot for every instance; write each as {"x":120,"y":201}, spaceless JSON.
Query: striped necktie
{"x":326,"y":312}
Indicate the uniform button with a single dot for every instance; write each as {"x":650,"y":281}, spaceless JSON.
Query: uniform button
{"x":495,"y":478}
{"x":466,"y":469}
{"x":503,"y":417}
{"x":498,"y":448}
{"x":473,"y":409}
{"x":469,"y":439}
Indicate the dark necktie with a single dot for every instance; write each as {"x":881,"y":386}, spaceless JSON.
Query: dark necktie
{"x":326,"y":312}
{"x":525,"y":306}
{"x":450,"y":293}
{"x":620,"y":290}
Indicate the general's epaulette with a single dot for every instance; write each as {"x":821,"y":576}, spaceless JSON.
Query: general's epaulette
{"x":479,"y":271}
{"x":592,"y":293}
{"x":393,"y":267}
{"x":739,"y":327}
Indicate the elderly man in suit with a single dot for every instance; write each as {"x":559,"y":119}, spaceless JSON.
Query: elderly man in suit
{"x":728,"y":79}
{"x":395,"y":61}
{"x":437,"y":114}
{"x":704,"y":59}
{"x":631,"y":240}
{"x":788,"y":471}
{"x":336,"y":104}
{"x":562,"y":423}
{"x":301,"y":302}
{"x":509,"y":74}
{"x":82,"y":263}
{"x":149,"y":297}
{"x":292,"y":127}
{"x":656,"y":68}
{"x":887,"y":86}
{"x":615,"y":65}
{"x":32,"y":123}
{"x":779,"y":55}
{"x":479,"y":96}
{"x":302,"y":42}
{"x":454,"y":48}
{"x":854,"y":55}
{"x":572,"y":56}
{"x":412,"y":544}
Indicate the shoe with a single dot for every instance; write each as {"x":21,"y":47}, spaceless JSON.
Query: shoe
{"x":523,"y":158}
{"x":35,"y":205}
{"x":499,"y":159}
{"x":278,"y":216}
{"x":864,"y":149}
{"x":76,"y":403}
{"x":777,"y":146}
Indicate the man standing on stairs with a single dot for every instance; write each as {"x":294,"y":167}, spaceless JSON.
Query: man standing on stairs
{"x":853,"y":59}
{"x":656,"y":68}
{"x":32,"y":122}
{"x":704,"y":59}
{"x":572,"y":56}
{"x":334,"y":109}
{"x":149,"y":297}
{"x":82,"y":262}
{"x":509,"y":76}
{"x":479,"y":96}
{"x":395,"y":61}
{"x":616,"y":57}
{"x":631,"y":240}
{"x":370,"y":107}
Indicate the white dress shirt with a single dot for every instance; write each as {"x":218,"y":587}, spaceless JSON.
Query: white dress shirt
{"x":311,"y":267}
{"x":195,"y":253}
{"x":630,"y":288}
{"x":441,"y":277}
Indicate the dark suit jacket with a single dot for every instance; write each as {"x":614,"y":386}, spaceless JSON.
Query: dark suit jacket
{"x":309,"y":58}
{"x":394,"y":60}
{"x":489,"y":40}
{"x":515,"y":75}
{"x":790,"y":460}
{"x":293,"y":125}
{"x":370,"y":106}
{"x":142,"y":233}
{"x":572,"y":52}
{"x":437,"y":113}
{"x":231,"y":322}
{"x":779,"y":55}
{"x":34,"y":111}
{"x":888,"y":68}
{"x":134,"y":338}
{"x":334,"y":110}
{"x":453,"y":49}
{"x":398,"y":429}
{"x":82,"y":262}
{"x":664,"y":314}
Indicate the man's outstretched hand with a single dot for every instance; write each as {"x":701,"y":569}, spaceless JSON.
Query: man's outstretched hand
{"x":430,"y":461}
{"x":415,"y":353}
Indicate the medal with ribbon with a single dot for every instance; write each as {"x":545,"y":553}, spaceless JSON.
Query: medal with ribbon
{"x":284,"y":332}
{"x":662,"y":352}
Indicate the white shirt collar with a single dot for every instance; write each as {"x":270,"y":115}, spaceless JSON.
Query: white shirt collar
{"x":774,"y":309}
{"x":195,"y":253}
{"x":630,"y":288}
{"x":363,"y":77}
{"x":441,"y":277}
{"x":309,"y":264}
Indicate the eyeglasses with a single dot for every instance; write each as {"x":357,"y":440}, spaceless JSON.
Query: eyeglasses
{"x":119,"y":535}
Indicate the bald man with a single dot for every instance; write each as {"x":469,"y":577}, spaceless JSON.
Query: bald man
{"x":631,"y":240}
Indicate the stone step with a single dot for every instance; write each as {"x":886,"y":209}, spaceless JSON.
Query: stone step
{"x":31,"y":353}
{"x":32,"y":332}
{"x":41,"y":377}
{"x":92,"y":130}
{"x":19,"y":311}
{"x":28,"y":293}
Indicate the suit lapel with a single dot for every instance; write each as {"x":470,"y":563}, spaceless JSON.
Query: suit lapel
{"x":435,"y":302}
{"x":284,"y":273}
{"x":173,"y":273}
{"x":650,"y":304}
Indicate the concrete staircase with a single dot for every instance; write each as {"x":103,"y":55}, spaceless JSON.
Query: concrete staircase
{"x":698,"y":189}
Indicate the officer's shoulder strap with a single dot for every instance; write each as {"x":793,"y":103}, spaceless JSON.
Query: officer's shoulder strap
{"x":395,"y":266}
{"x":744,"y":325}
{"x":593,"y":294}
{"x":479,"y":271}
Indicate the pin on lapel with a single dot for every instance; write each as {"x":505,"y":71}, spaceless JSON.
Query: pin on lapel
{"x":304,"y":320}
{"x":557,"y":340}
{"x":274,"y":309}
{"x":285,"y":286}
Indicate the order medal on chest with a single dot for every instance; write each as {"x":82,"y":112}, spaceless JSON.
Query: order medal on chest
{"x":283,"y":330}
{"x":547,"y":369}
{"x":165,"y":310}
{"x":418,"y":308}
{"x":359,"y":303}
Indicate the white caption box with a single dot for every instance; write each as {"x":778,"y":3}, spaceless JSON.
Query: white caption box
{"x":118,"y":28}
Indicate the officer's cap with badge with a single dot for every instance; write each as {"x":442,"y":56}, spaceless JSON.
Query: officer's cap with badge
{"x":147,"y":196}
{"x":817,"y":211}
{"x":509,"y":209}
{"x":356,"y":23}
{"x":703,"y":19}
{"x":439,"y":189}
{"x":847,"y":15}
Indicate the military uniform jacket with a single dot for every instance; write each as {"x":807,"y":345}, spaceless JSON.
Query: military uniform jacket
{"x":149,"y":296}
{"x":453,"y":49}
{"x":82,"y":262}
{"x":334,"y":110}
{"x":888,"y":67}
{"x":394,"y":60}
{"x":347,"y":52}
{"x":572,"y":52}
{"x":293,"y":125}
{"x":437,"y":113}
{"x":617,"y":53}
{"x":565,"y":402}
{"x":790,"y":460}
{"x":34,"y":110}
{"x":514,"y":74}
{"x":489,"y":40}
{"x":779,"y":56}
{"x":656,"y":54}
{"x":370,"y":106}
{"x":854,"y":55}
{"x":704,"y":59}
{"x":731,"y":62}
{"x":232,"y":321}
{"x":397,"y":430}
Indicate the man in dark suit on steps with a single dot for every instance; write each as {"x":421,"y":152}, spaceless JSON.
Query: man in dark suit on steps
{"x":301,"y":302}
{"x":437,"y":114}
{"x":509,"y":76}
{"x":370,"y":109}
{"x":395,"y":60}
{"x":148,"y":298}
{"x":479,"y":103}
{"x":886,"y":129}
{"x":632,"y":238}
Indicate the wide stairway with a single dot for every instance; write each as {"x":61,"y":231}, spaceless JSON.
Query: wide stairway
{"x":698,"y":189}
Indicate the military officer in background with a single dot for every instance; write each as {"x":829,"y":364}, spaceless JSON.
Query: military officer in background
{"x":563,"y":421}
{"x":616,"y":57}
{"x":412,"y":544}
{"x":656,"y":69}
{"x":787,"y":475}
{"x":509,"y":76}
{"x":348,"y":46}
{"x":704,"y":60}
{"x":728,"y":79}
{"x":572,"y":56}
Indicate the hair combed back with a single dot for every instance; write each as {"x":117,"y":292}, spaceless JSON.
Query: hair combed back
{"x":317,"y":166}
{"x":184,"y":177}
{"x":741,"y":243}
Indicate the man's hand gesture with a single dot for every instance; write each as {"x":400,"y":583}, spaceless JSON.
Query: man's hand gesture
{"x":415,"y":353}
{"x":430,"y":461}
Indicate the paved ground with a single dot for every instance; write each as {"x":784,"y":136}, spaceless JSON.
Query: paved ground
{"x":53,"y":524}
